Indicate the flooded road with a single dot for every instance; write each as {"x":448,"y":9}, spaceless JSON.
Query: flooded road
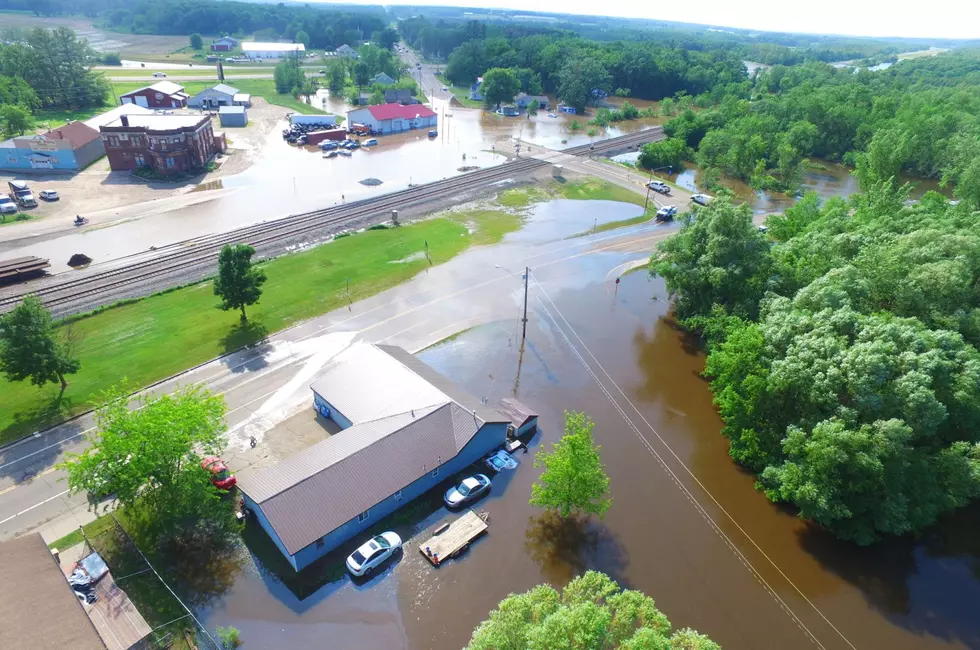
{"x":287,"y":180}
{"x":686,"y":525}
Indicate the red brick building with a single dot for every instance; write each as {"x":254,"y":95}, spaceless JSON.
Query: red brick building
{"x":168,"y":144}
{"x":163,"y":94}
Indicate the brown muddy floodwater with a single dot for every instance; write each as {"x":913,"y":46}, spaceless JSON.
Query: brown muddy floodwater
{"x":686,"y":525}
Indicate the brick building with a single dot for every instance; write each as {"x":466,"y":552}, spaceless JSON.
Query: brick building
{"x":168,"y":144}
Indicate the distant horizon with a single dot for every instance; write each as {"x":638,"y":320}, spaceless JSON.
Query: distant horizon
{"x":902,"y":19}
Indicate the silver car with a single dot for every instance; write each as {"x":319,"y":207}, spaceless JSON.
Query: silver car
{"x":470,"y":489}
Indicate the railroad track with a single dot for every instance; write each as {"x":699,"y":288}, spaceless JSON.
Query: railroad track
{"x":620,"y":142}
{"x":204,"y":250}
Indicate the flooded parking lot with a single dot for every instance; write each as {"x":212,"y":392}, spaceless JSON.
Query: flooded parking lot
{"x":706,"y":545}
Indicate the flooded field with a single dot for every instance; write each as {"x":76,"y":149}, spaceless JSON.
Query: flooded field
{"x":686,"y":525}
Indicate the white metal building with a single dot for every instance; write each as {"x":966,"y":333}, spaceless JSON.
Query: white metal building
{"x":254,"y":50}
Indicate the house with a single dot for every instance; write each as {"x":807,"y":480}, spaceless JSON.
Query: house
{"x":404,"y":429}
{"x":399,"y":96}
{"x":224,"y":44}
{"x":393,"y":118}
{"x":233,"y":116}
{"x":163,"y":94}
{"x":255,"y":50}
{"x":67,"y":148}
{"x":346,"y":51}
{"x":508,"y":110}
{"x":475,"y":93}
{"x":211,"y":98}
{"x":40,"y":611}
{"x":564,"y":108}
{"x":168,"y":144}
{"x":383,"y":79}
{"x":523,"y":100}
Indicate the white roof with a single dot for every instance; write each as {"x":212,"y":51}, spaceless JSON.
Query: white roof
{"x":241,"y":97}
{"x":114,"y":114}
{"x":273,"y":47}
{"x":161,"y":122}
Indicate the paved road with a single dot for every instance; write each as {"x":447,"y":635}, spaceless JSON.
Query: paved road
{"x":435,"y":305}
{"x":425,"y":73}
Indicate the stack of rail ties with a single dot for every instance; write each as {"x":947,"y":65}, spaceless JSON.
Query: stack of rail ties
{"x":22,"y":268}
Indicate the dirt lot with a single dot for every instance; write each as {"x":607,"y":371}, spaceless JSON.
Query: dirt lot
{"x":99,"y":39}
{"x":104,"y":196}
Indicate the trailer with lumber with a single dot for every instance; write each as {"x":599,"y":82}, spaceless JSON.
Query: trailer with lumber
{"x":22,"y":268}
{"x":449,"y":540}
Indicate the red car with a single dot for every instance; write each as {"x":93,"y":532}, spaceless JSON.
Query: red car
{"x":220,"y":476}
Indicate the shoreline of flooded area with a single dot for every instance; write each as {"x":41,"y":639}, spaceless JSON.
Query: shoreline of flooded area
{"x":686,"y":526}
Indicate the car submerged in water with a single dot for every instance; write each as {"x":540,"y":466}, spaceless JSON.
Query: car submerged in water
{"x":470,"y":489}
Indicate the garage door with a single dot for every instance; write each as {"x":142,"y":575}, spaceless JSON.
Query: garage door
{"x":41,"y":163}
{"x":141,"y":101}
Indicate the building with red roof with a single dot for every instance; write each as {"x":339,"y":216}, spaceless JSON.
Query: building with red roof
{"x":393,"y":118}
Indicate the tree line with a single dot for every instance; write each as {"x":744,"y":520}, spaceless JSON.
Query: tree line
{"x":921,"y":117}
{"x":48,"y":69}
{"x":842,"y":351}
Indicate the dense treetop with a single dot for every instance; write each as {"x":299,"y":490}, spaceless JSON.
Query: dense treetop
{"x":843,"y":351}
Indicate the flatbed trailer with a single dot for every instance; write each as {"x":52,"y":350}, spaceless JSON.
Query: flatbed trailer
{"x":449,"y":540}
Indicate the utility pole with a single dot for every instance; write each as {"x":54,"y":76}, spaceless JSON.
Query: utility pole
{"x":527,"y":274}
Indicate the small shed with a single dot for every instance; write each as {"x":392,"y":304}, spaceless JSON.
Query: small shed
{"x":242,"y":99}
{"x":233,"y":116}
{"x":521,"y":416}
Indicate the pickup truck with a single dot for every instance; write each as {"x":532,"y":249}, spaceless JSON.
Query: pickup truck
{"x":659,"y":186}
{"x":666,"y":213}
{"x":7,"y":206}
{"x":22,"y":194}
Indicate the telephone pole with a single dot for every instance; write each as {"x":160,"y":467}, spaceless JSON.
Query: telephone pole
{"x":527,"y":274}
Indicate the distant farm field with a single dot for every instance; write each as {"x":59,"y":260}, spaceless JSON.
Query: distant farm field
{"x":100,"y":39}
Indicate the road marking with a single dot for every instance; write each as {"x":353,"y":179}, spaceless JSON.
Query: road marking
{"x":36,"y":505}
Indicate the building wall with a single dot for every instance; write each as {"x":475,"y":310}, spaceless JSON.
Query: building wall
{"x":319,"y":403}
{"x":397,"y":125}
{"x":151,"y":99}
{"x":89,"y":153}
{"x":15,"y":158}
{"x":267,"y":527}
{"x":233,"y":119}
{"x":212,"y":97}
{"x":167,"y":152}
{"x":489,"y":437}
{"x":363,"y":116}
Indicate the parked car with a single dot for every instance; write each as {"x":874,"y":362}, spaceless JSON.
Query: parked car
{"x":659,"y":186}
{"x":222,"y":478}
{"x":701,"y":199}
{"x":159,"y":75}
{"x":48,"y":195}
{"x":370,"y":142}
{"x":500,"y":460}
{"x":470,"y":489}
{"x":372,"y":553}
{"x":7,"y":205}
{"x":433,"y":133}
{"x":667,"y":213}
{"x":444,"y":89}
{"x":763,"y":229}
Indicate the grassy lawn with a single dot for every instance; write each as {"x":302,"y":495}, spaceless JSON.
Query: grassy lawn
{"x":69,"y":540}
{"x":48,"y":119}
{"x":159,"y":336}
{"x":596,"y":190}
{"x":462,"y":93}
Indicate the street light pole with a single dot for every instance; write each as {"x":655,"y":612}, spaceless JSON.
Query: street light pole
{"x":527,"y":274}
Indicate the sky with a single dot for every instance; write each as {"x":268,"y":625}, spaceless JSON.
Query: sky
{"x":934,"y":19}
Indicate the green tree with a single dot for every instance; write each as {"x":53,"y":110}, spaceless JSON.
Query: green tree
{"x":667,"y":107}
{"x":573,"y":480}
{"x":720,"y":258}
{"x":302,"y":37}
{"x":377,"y":97}
{"x":230,"y":637}
{"x":385,"y":38}
{"x":30,"y":347}
{"x":336,"y":76}
{"x":666,"y":153}
{"x":239,"y":282}
{"x":57,"y":65}
{"x":593,"y":611}
{"x":288,"y":76}
{"x":196,"y":41}
{"x":362,"y":74}
{"x":500,"y":85}
{"x":17,"y":120}
{"x":579,"y":77}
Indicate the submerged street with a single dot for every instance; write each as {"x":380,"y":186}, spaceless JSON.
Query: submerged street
{"x":686,"y":525}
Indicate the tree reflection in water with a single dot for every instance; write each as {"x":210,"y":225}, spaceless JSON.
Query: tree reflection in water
{"x":566,"y":547}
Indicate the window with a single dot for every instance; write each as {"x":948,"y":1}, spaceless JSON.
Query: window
{"x":363,"y":516}
{"x":398,"y":495}
{"x":435,"y":472}
{"x":140,"y":161}
{"x":170,"y":162}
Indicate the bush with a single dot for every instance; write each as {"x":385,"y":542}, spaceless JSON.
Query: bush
{"x":230,"y":637}
{"x":111,"y":58}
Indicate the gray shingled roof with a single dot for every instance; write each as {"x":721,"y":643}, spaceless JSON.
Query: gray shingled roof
{"x":407,"y":420}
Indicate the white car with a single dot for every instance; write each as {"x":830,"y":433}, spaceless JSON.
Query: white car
{"x":501,"y":460}
{"x":701,"y":199}
{"x":48,"y":195}
{"x":372,"y":553}
{"x":159,"y":75}
{"x":445,"y":88}
{"x":7,"y":205}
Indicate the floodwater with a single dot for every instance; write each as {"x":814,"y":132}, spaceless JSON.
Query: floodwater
{"x":287,"y":180}
{"x":686,"y":526}
{"x":832,"y":179}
